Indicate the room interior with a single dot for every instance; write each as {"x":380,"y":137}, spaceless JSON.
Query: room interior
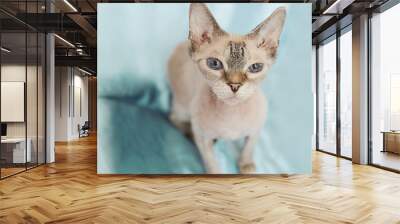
{"x":49,"y":92}
{"x":22,"y":102}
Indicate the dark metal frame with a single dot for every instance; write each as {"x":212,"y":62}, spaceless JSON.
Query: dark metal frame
{"x":338,"y":98}
{"x":369,"y":96}
{"x":316,"y":97}
{"x":27,"y":27}
{"x":0,"y":91}
{"x":340,"y":31}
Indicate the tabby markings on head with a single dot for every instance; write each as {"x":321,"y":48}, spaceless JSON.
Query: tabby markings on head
{"x":237,"y":59}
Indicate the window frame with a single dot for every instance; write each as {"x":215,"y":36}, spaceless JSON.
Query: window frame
{"x":334,"y":37}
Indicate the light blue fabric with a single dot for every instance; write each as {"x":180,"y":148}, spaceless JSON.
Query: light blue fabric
{"x":135,"y":136}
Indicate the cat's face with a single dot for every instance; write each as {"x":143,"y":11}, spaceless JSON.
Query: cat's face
{"x":233,"y":65}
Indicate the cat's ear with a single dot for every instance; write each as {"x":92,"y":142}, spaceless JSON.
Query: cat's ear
{"x":267,"y":33}
{"x":203,"y":27}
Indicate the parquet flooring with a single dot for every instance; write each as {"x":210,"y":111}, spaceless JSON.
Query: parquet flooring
{"x":70,"y":191}
{"x":10,"y":171}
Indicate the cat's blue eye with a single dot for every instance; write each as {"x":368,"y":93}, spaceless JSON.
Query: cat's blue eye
{"x":214,"y":64}
{"x":256,"y":67}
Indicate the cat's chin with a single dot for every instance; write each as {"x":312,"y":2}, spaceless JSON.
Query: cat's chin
{"x":232,"y":101}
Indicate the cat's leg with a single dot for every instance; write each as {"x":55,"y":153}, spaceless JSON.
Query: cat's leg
{"x":246,"y":161}
{"x":206,"y":150}
{"x":180,"y":118}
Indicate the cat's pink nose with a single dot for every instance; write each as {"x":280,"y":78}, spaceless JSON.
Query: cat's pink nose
{"x":234,"y":86}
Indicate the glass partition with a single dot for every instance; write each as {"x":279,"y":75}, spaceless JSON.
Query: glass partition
{"x":22,"y":101}
{"x":346,"y":93}
{"x":14,"y":153}
{"x":327,"y":96}
{"x":385,"y":89}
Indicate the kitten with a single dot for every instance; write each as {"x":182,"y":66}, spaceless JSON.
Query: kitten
{"x":215,"y":78}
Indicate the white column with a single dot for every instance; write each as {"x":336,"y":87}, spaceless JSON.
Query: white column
{"x":50,"y":100}
{"x":360,"y":90}
{"x":50,"y":92}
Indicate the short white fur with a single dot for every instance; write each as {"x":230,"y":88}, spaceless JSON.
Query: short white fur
{"x":204,"y":102}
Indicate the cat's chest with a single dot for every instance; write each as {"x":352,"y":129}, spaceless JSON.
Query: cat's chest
{"x":229,"y":125}
{"x":231,"y":122}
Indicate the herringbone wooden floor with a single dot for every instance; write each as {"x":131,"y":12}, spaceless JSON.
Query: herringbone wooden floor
{"x":70,"y":191}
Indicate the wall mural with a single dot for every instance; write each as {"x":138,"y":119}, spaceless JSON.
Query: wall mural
{"x":204,"y":88}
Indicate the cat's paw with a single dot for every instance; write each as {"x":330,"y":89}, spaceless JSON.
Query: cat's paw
{"x":247,"y":168}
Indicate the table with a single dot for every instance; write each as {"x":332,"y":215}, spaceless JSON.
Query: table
{"x":391,"y":141}
{"x":13,"y":150}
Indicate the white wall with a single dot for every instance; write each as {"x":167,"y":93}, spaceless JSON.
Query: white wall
{"x":70,"y":83}
{"x":79,"y":115}
{"x":13,"y":101}
{"x":34,"y":126}
{"x":17,"y":73}
{"x":62,"y":82}
{"x":12,"y":73}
